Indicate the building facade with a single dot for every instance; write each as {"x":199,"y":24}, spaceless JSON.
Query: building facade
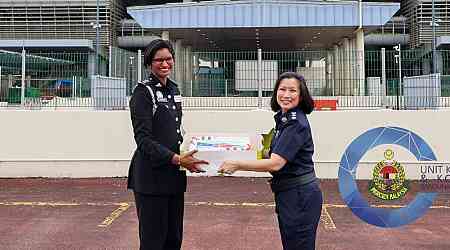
{"x":419,"y":19}
{"x":60,"y":19}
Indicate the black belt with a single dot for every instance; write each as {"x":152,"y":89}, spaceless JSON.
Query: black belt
{"x":287,"y":183}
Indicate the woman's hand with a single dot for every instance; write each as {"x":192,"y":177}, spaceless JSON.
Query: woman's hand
{"x":188,"y":161}
{"x":228,"y":167}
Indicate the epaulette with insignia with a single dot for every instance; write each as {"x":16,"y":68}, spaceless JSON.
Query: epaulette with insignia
{"x":293,"y":115}
{"x":144,"y":82}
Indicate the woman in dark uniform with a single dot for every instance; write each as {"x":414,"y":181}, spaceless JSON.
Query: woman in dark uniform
{"x":298,"y":197}
{"x":155,"y":177}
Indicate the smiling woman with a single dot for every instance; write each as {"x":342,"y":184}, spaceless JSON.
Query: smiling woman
{"x":162,"y":64}
{"x":290,"y":91}
{"x":298,"y":197}
{"x":288,"y":94}
{"x":155,"y":176}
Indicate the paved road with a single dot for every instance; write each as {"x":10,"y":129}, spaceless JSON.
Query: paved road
{"x":221,"y":213}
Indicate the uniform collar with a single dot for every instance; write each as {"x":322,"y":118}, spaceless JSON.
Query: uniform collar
{"x":155,"y":80}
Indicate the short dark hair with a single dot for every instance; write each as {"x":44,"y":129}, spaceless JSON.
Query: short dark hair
{"x":153,"y":47}
{"x":306,"y":103}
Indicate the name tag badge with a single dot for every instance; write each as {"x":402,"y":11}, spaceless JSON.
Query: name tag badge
{"x":177,"y":98}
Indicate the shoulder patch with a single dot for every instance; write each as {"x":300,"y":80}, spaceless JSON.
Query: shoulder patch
{"x":293,"y":115}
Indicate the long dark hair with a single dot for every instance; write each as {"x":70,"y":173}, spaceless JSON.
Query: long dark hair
{"x":153,"y":47}
{"x":306,"y":103}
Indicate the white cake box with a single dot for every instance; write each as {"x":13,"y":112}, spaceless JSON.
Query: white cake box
{"x":216,"y":148}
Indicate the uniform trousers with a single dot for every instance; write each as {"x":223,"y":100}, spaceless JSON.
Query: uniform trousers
{"x":160,"y":221}
{"x":298,"y":210}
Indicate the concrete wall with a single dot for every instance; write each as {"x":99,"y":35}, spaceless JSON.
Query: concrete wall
{"x":98,"y":143}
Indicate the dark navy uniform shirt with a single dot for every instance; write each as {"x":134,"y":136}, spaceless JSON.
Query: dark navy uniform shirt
{"x":156,"y":118}
{"x":293,"y":141}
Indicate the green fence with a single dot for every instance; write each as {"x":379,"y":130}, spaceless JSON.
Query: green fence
{"x":48,"y":76}
{"x":351,"y":77}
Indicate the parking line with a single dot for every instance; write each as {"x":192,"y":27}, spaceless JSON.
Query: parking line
{"x":114,"y":215}
{"x":384,"y":206}
{"x":56,"y":204}
{"x":326,"y":219}
{"x":271,"y":204}
{"x":106,"y":222}
{"x":229,"y":204}
{"x":198,"y":203}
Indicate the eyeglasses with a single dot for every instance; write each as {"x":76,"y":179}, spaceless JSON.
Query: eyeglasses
{"x":161,"y":60}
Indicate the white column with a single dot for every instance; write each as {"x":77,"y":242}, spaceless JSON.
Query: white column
{"x":194,"y":85}
{"x":110,"y":61}
{"x":383,"y":78}
{"x":336,"y":70}
{"x":165,"y":35}
{"x":139,"y":66}
{"x":342,"y":69}
{"x":179,"y":63}
{"x":329,"y":73}
{"x":354,"y":68}
{"x":22,"y":92}
{"x":259,"y":79}
{"x":188,"y":69}
{"x":346,"y":71}
{"x":351,"y":82}
{"x":360,"y":64}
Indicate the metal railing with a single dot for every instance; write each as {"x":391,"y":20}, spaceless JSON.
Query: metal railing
{"x":239,"y":80}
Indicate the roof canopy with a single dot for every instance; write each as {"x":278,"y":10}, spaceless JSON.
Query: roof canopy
{"x":231,"y":23}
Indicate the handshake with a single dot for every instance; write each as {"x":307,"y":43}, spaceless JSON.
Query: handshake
{"x":193,"y":164}
{"x":189,"y":162}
